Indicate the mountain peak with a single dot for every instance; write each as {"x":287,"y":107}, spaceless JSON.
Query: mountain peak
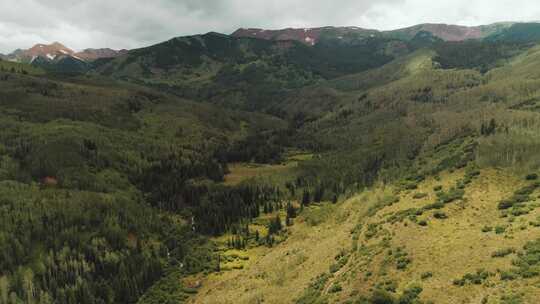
{"x":309,"y":36}
{"x":57,"y":50}
{"x":49,"y":51}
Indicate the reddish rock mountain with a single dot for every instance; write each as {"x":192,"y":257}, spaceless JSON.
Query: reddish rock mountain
{"x":50,"y":52}
{"x":56,"y":50}
{"x":93,"y":54}
{"x":311,"y":36}
{"x":308,"y":36}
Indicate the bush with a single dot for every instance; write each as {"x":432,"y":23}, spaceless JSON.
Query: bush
{"x":508,"y":275}
{"x":500,"y":229}
{"x":410,"y":295}
{"x":335,"y":288}
{"x":505,"y":204}
{"x":532,"y":176}
{"x":422,"y":223}
{"x":436,"y":205}
{"x":502,"y":252}
{"x":487,"y":229}
{"x":426,"y":275}
{"x":419,"y":195}
{"x":473,"y":278}
{"x":440,"y":215}
{"x":450,"y":196}
{"x":437,"y":188}
{"x":382,"y":297}
{"x":402,"y":263}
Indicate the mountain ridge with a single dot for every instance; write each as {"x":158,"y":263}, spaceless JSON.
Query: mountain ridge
{"x":310,"y":36}
{"x":50,"y":52}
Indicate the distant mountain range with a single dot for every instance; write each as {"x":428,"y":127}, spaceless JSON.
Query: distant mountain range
{"x":311,"y":36}
{"x":60,"y":58}
{"x":56,"y":51}
{"x":57,"y":57}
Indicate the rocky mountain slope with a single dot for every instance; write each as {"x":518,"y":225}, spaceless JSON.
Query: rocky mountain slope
{"x":56,"y":50}
{"x":311,"y":36}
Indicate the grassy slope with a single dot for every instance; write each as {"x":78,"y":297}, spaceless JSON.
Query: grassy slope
{"x":279,"y":274}
{"x":447,"y":248}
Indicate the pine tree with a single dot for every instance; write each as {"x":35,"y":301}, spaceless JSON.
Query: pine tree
{"x":291,"y":211}
{"x":288,"y":220}
{"x":306,"y":198}
{"x":492,"y":126}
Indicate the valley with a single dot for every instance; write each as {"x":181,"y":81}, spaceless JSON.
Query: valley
{"x":356,"y":167}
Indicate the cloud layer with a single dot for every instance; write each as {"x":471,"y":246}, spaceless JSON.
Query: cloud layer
{"x":134,"y":23}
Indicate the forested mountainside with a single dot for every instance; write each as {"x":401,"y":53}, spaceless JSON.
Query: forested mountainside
{"x":224,"y":169}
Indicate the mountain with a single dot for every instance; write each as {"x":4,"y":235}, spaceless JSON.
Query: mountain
{"x":94,"y":54}
{"x":449,"y":32}
{"x":366,"y":168}
{"x":311,"y":36}
{"x":48,"y":52}
{"x":450,"y":229}
{"x":58,"y":58}
{"x":55,"y":51}
{"x":518,"y":33}
{"x":246,"y":73}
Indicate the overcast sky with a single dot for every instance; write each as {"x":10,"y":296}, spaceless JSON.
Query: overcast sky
{"x":134,"y":23}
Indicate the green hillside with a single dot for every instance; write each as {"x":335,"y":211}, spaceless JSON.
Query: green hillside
{"x":246,"y":73}
{"x":519,"y":32}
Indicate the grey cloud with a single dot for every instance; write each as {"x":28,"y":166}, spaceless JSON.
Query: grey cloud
{"x":135,"y":23}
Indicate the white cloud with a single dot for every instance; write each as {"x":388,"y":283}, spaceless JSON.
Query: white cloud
{"x":135,"y":23}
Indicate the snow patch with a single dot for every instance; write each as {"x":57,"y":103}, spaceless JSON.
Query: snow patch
{"x":310,"y":40}
{"x":51,"y":57}
{"x":64,"y":52}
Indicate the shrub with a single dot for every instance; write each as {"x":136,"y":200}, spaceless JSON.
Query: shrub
{"x":508,"y":275}
{"x":402,"y":263}
{"x":450,"y":196}
{"x":532,"y":176}
{"x":500,"y":229}
{"x":512,"y":299}
{"x":473,"y":278}
{"x":426,"y":275}
{"x":437,"y":188}
{"x":422,"y":223}
{"x":410,"y":295}
{"x":371,"y":231}
{"x":440,"y":215}
{"x":436,"y":205}
{"x":502,"y":252}
{"x":487,"y":229}
{"x":410,"y":186}
{"x":335,"y":288}
{"x":419,"y":195}
{"x":382,"y":297}
{"x":505,"y":204}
